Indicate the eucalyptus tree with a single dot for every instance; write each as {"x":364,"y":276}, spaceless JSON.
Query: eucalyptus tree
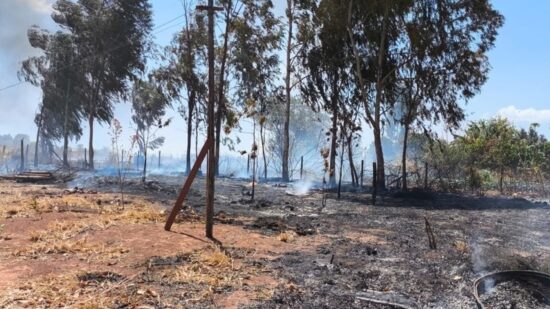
{"x":324,"y":55}
{"x":183,"y":75}
{"x":61,"y":110}
{"x":257,"y":37}
{"x":386,"y":36}
{"x":111,"y":37}
{"x":148,"y":109}
{"x":448,"y":62}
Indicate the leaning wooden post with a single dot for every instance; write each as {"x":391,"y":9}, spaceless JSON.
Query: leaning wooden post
{"x":374,"y":181}
{"x":22,"y":166}
{"x":425,"y":175}
{"x":362,"y":169}
{"x":301,"y":167}
{"x":187,"y":185}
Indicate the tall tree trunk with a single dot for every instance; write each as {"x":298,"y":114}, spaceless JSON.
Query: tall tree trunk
{"x":353,"y":171}
{"x":286,"y":129}
{"x":143,"y":178}
{"x":501,"y":180}
{"x":189,"y":132}
{"x":91,"y":142}
{"x":404,"y":158}
{"x":380,"y":177}
{"x":66,"y":128}
{"x":341,"y":167}
{"x":332,"y":160}
{"x":262,"y":138}
{"x":221,"y":93}
{"x":38,"y":137}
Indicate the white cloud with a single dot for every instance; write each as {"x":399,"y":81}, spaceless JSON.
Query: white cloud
{"x":529,"y":115}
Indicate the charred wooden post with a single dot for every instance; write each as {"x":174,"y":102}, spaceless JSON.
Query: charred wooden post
{"x":374,"y":183}
{"x":430,"y":233}
{"x":425,"y":175}
{"x":362,"y":171}
{"x":248,"y":165}
{"x":211,"y":163}
{"x":27,"y":155}
{"x":301,"y":167}
{"x":22,"y":166}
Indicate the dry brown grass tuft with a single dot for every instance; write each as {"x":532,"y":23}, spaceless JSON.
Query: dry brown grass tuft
{"x":79,"y":247}
{"x":461,"y":246}
{"x":141,"y":214}
{"x":286,"y":236}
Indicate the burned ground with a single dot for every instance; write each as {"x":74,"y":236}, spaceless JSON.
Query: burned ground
{"x":68,"y":247}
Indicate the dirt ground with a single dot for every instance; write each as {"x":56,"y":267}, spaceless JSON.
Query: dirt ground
{"x":80,"y":248}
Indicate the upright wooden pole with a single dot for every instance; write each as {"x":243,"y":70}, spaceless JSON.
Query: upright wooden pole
{"x":159,"y":160}
{"x":425,"y":175}
{"x":301,"y":167}
{"x":362,"y":170}
{"x":85,"y":158}
{"x":22,"y":166}
{"x":211,"y":164}
{"x":248,"y":165}
{"x":374,"y":183}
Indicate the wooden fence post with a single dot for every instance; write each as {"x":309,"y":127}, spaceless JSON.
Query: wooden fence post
{"x":159,"y":160}
{"x":22,"y":167}
{"x":362,"y":170}
{"x":425,"y":175}
{"x":374,"y":181}
{"x":301,"y":167}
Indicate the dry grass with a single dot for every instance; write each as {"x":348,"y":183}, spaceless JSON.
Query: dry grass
{"x":79,"y":247}
{"x":461,"y":246}
{"x":286,"y":236}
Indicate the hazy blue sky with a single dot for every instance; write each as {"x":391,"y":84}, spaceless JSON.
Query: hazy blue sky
{"x":518,"y":85}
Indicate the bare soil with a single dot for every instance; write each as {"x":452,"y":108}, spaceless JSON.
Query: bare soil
{"x":79,"y":248}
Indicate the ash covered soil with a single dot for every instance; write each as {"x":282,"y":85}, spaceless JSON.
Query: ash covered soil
{"x":290,"y":251}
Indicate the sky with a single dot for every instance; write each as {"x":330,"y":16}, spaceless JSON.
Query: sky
{"x":518,"y":86}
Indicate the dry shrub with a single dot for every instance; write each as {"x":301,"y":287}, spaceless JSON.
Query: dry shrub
{"x":286,"y":236}
{"x":461,"y":246}
{"x":141,"y":214}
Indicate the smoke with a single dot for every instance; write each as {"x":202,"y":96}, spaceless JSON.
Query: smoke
{"x":20,"y":102}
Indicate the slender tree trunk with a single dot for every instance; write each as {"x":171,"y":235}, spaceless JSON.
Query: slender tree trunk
{"x":221,"y":93}
{"x":91,"y":142}
{"x":332,"y":161}
{"x":501,"y":180}
{"x":353,"y":171}
{"x":262,"y":138}
{"x":66,"y":128}
{"x":380,"y":177}
{"x":341,"y":166}
{"x":37,"y":140}
{"x":144,"y":164}
{"x":189,"y":132}
{"x":286,"y":132}
{"x":404,"y":158}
